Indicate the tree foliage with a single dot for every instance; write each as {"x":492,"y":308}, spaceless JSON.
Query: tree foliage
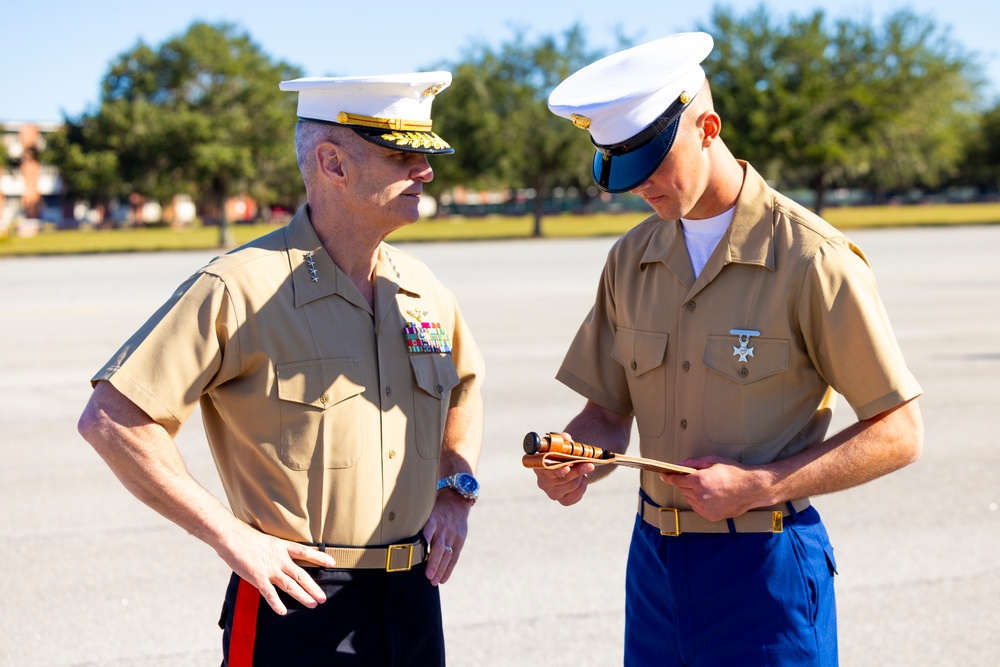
{"x":496,"y":116}
{"x":981,"y":166}
{"x":817,"y":106}
{"x":812,"y":103}
{"x":201,"y":115}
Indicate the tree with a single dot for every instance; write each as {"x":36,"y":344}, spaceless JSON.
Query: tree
{"x":817,"y":107}
{"x":981,"y":164}
{"x":200,"y":115}
{"x":88,"y":172}
{"x":496,"y":117}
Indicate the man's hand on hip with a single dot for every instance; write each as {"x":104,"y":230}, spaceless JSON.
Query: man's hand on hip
{"x":268,"y":563}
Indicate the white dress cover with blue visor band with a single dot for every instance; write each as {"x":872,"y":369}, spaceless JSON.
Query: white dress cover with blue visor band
{"x":619,"y":97}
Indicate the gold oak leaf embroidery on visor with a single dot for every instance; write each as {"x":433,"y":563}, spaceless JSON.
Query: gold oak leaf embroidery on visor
{"x":416,"y":139}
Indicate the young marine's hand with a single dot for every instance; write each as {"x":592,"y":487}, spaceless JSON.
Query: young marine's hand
{"x":567,"y":484}
{"x":720,"y":488}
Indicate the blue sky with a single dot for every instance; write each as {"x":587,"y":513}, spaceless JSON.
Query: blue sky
{"x":53,"y":55}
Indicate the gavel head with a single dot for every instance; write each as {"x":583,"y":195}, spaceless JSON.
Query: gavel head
{"x":532,"y":443}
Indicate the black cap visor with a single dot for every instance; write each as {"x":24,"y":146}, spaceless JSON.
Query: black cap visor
{"x":623,"y":172}
{"x":409,"y":141}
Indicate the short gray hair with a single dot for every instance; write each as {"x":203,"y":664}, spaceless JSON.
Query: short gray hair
{"x":309,"y":135}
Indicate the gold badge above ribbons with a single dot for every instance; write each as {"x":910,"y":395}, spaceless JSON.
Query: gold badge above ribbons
{"x":425,"y":336}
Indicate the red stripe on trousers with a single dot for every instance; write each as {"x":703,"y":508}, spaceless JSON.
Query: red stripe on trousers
{"x":244,"y":626}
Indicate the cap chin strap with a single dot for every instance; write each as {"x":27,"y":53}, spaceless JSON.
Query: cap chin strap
{"x":651,"y":131}
{"x":398,"y":124}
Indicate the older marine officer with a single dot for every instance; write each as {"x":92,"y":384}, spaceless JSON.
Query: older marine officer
{"x":340,"y":390}
{"x":724,"y":324}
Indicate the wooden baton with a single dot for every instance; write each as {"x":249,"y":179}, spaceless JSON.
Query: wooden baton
{"x":556,"y":443}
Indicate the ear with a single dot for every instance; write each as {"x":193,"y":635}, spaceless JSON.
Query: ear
{"x":711,"y":126}
{"x":330,"y":160}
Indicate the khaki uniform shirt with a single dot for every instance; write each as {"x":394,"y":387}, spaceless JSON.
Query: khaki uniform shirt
{"x":324,"y":427}
{"x":659,"y":344}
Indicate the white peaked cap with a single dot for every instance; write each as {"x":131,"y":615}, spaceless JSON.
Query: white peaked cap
{"x":393,"y":110}
{"x":631,"y":103}
{"x":622,"y":94}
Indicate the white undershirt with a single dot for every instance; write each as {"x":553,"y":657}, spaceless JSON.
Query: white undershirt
{"x":701,"y":237}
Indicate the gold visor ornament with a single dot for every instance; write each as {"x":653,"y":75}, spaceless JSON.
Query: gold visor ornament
{"x":581,"y":122}
{"x":416,"y":140}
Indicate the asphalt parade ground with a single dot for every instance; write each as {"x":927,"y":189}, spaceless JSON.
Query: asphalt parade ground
{"x":90,"y":576}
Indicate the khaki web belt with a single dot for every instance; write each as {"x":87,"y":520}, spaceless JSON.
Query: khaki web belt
{"x":672,"y":521}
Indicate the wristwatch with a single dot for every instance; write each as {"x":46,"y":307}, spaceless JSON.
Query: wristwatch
{"x":463,"y":484}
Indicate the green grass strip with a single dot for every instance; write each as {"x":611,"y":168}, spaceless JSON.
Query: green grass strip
{"x":49,"y":242}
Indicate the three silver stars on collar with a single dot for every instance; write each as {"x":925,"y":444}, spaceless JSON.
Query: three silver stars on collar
{"x":314,"y":276}
{"x":388,"y":256}
{"x":311,"y":264}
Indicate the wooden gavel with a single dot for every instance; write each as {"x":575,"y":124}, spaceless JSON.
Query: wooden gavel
{"x":556,"y":443}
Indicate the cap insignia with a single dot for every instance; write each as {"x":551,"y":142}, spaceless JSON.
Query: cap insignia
{"x":581,"y":122}
{"x":433,"y":90}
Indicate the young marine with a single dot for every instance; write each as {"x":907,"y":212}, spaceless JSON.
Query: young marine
{"x":724,"y":325}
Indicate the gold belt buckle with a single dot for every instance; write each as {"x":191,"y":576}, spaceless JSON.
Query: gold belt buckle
{"x":409,"y":558}
{"x":777,"y":522}
{"x":677,"y":522}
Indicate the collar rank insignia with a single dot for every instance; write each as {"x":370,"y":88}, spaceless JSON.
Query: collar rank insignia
{"x":311,"y":265}
{"x":744,"y":335}
{"x":424,"y":336}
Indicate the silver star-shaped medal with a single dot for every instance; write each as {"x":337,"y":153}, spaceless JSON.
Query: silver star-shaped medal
{"x":744,"y":350}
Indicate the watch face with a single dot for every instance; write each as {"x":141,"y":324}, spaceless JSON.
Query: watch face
{"x":467,"y":484}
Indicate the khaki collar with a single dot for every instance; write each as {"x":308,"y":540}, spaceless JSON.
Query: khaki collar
{"x":315,"y":275}
{"x":749,"y":239}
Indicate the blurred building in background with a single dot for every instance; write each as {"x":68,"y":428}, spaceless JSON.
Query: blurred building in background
{"x":30,"y":191}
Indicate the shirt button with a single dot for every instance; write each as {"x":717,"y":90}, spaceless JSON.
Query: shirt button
{"x":686,"y":365}
{"x":324,"y":398}
{"x":392,"y":516}
{"x":744,"y":371}
{"x":388,"y":391}
{"x":633,"y":365}
{"x":690,"y":305}
{"x":439,"y":389}
{"x":684,"y":423}
{"x":392,"y":453}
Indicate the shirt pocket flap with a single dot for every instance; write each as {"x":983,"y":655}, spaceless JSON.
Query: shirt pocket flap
{"x":639,"y":351}
{"x":319,"y":384}
{"x":434,"y":373}
{"x":765,"y":357}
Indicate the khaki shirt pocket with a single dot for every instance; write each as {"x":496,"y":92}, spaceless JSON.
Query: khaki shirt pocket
{"x":435,"y":376}
{"x":320,"y":413}
{"x":642,"y":355}
{"x":744,"y":400}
